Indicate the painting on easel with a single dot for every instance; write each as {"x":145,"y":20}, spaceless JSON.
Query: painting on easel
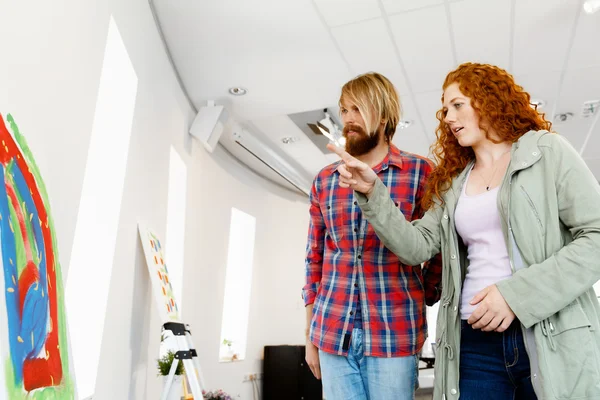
{"x":159,"y":275}
{"x":33,"y":335}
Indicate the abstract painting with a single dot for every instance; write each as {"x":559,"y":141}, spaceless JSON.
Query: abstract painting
{"x":33,"y":338}
{"x":159,"y":275}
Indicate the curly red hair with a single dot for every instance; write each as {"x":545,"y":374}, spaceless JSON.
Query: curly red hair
{"x":502,"y":105}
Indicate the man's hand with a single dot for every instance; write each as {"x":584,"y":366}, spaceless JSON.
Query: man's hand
{"x":354,"y":174}
{"x":492,"y":313}
{"x":312,"y":359}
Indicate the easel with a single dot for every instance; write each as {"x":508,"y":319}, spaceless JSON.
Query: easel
{"x":187,"y":354}
{"x":168,"y":310}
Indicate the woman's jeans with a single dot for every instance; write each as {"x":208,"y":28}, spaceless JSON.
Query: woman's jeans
{"x":494,"y":366}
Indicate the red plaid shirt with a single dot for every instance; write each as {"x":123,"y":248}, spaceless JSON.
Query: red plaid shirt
{"x":346,"y":261}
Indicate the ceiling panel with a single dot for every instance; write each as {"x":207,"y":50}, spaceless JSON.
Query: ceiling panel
{"x":341,"y":12}
{"x":217,"y":45}
{"x":579,"y":86}
{"x":397,"y":6}
{"x":574,"y":130}
{"x":356,"y":43}
{"x":413,"y":138}
{"x":543,"y":86}
{"x":424,"y":44}
{"x":585,"y":47}
{"x":594,"y":165}
{"x":473,"y":34}
{"x":582,"y":84}
{"x":542,"y":32}
{"x":592,"y":148}
{"x":429,"y":103}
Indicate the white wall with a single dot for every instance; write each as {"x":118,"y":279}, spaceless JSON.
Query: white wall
{"x":52,"y":58}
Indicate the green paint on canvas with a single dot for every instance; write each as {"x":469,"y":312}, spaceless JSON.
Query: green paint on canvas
{"x":66,"y":389}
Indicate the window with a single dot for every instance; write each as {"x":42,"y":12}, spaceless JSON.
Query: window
{"x":238,"y":283}
{"x":91,"y":264}
{"x":175,"y":243}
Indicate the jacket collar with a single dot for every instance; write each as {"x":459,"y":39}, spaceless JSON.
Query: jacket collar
{"x":524,"y":153}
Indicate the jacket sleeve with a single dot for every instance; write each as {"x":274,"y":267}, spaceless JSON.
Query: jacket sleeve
{"x":432,"y":269}
{"x":541,"y":290}
{"x":413,"y":242}
{"x":314,"y":248}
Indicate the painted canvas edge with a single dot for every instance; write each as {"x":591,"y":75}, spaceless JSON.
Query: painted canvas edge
{"x":144,"y":231}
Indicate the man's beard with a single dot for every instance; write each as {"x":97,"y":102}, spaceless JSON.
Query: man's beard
{"x":360,"y":143}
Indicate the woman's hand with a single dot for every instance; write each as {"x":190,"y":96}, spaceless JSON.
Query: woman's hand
{"x":492,"y":312}
{"x":354,"y":174}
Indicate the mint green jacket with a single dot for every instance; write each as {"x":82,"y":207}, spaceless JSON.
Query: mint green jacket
{"x":549,"y":205}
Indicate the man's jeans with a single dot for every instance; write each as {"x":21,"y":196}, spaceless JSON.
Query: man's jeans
{"x":359,"y":377}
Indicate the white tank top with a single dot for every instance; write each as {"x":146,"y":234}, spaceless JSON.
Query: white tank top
{"x":478,"y":223}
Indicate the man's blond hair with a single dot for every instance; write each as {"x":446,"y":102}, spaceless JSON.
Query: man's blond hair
{"x":377,"y":100}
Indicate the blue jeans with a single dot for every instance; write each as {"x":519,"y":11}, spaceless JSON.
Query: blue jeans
{"x":494,"y":366}
{"x":359,"y":377}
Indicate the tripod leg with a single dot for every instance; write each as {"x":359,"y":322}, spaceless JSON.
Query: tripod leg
{"x":170,"y":377}
{"x":195,"y":359}
{"x":190,"y":372}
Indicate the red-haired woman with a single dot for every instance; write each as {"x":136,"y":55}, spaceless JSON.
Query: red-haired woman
{"x":516,"y":214}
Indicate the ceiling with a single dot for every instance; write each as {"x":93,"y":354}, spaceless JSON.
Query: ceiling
{"x":293,"y":56}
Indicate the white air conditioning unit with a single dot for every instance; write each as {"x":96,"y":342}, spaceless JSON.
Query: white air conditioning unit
{"x":266,"y":154}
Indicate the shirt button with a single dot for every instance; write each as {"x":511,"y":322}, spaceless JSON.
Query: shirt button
{"x":534,"y":376}
{"x":524,"y":163}
{"x":356,"y":285}
{"x":328,"y":207}
{"x":453,"y":391}
{"x":445,"y":216}
{"x":351,"y":313}
{"x":453,"y":256}
{"x":534,"y":153}
{"x":355,"y":203}
{"x":359,"y":256}
{"x":455,"y":308}
{"x":355,"y":229}
{"x":396,"y":204}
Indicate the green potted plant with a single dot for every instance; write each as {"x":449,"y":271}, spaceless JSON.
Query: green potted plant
{"x":164,"y":366}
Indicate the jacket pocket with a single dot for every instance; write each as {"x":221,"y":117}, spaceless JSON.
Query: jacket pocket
{"x":567,"y":357}
{"x":533,"y":209}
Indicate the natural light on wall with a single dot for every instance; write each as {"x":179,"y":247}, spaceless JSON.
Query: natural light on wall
{"x":91,"y":263}
{"x":175,"y":243}
{"x":238,"y":283}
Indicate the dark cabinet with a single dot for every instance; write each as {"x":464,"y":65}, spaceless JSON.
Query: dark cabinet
{"x":286,"y":376}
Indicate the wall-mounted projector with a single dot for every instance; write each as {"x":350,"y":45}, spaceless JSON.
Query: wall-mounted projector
{"x":208,"y":125}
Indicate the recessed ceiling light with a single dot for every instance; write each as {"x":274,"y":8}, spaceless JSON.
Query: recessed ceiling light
{"x":563,"y":117}
{"x":591,"y":6}
{"x":539,"y":103}
{"x":405,"y":123}
{"x":238,"y":91}
{"x":290,"y":139}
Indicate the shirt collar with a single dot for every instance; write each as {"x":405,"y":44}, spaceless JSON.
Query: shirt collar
{"x":394,"y":157}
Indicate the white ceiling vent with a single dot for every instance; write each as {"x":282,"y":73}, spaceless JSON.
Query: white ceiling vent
{"x":590,"y":108}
